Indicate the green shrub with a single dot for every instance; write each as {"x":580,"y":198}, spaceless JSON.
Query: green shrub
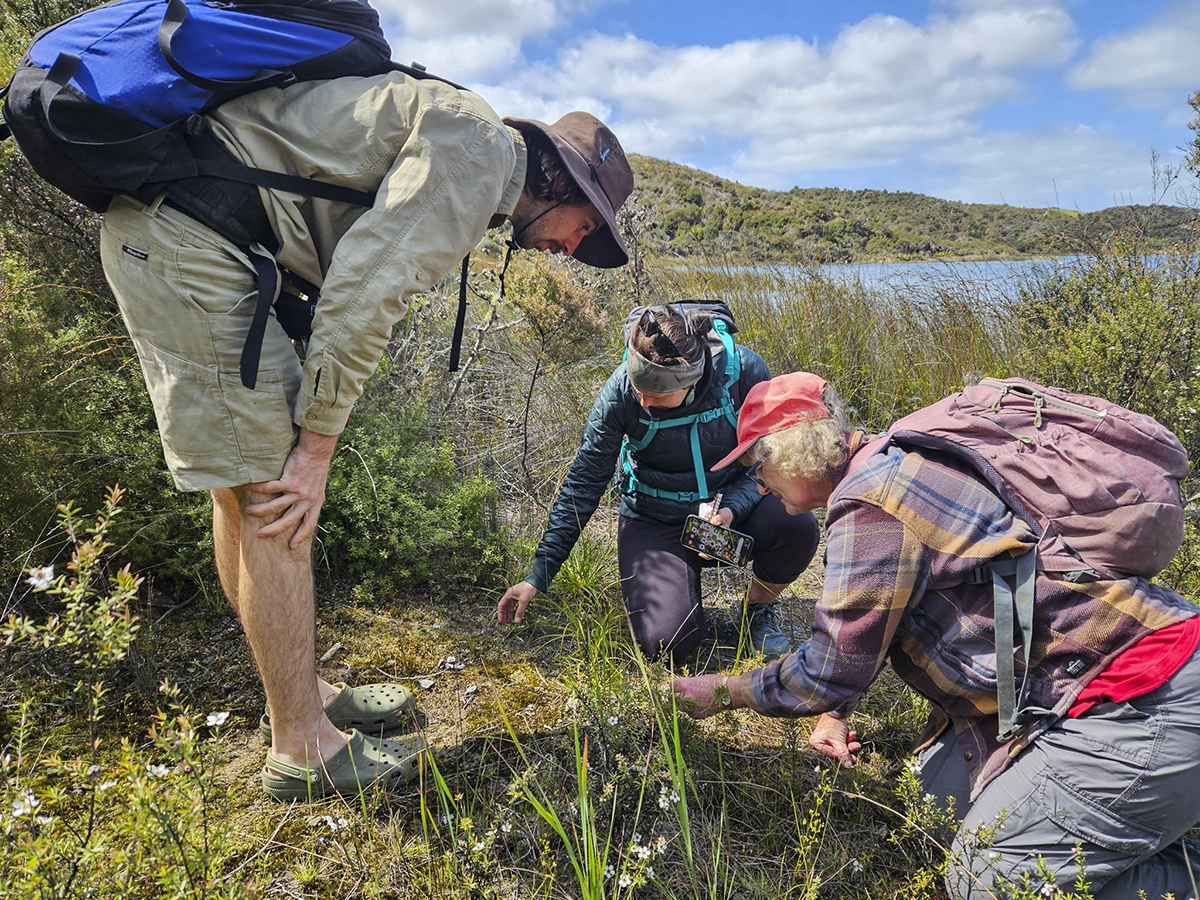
{"x":1122,"y":325}
{"x":145,"y":820}
{"x":401,"y":514}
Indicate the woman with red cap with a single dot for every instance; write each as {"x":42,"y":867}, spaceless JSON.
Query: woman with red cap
{"x":1100,"y":757}
{"x":666,"y":415}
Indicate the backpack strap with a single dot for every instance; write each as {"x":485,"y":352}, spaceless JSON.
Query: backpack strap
{"x":630,"y":483}
{"x":173,"y":19}
{"x":1005,"y":603}
{"x":268,"y":286}
{"x":281,"y":181}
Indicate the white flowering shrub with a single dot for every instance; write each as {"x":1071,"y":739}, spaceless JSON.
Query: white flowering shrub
{"x":142,"y":819}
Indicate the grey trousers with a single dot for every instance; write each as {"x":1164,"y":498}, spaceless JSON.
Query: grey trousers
{"x":1121,"y":783}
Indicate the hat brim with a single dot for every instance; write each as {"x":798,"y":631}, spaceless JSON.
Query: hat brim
{"x":737,"y":451}
{"x":604,"y":248}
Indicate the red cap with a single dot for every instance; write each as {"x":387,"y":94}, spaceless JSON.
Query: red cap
{"x":774,"y":405}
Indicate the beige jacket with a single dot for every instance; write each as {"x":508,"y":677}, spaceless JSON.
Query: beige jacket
{"x":443,"y":164}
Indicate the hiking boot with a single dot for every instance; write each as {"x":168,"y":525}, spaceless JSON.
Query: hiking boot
{"x":765,"y":636}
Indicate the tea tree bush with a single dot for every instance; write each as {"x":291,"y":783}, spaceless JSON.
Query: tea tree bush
{"x":402,"y":513}
{"x":141,"y":819}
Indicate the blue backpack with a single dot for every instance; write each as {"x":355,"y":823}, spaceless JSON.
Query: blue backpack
{"x":111,"y":101}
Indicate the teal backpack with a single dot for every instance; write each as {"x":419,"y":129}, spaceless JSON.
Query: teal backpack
{"x":723,"y":328}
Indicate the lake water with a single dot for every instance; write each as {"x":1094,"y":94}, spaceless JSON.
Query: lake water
{"x":997,"y":279}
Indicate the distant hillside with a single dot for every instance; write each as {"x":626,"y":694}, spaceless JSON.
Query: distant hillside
{"x":690,"y":212}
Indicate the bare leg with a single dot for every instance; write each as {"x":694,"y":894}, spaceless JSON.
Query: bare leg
{"x":273,"y":595}
{"x":227,"y":542}
{"x":763,"y":591}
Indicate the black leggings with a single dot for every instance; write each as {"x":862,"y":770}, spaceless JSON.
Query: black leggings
{"x":660,"y":578}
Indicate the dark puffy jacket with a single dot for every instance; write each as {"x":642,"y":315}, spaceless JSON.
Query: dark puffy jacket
{"x":666,"y":463}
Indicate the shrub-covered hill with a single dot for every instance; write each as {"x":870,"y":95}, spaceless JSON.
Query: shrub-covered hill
{"x":690,"y":212}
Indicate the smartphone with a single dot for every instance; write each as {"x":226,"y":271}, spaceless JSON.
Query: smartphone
{"x":720,"y":543}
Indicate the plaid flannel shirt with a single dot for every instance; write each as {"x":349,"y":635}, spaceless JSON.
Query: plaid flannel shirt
{"x":903,"y":531}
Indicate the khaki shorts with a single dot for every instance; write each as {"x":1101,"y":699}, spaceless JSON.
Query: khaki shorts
{"x":187,"y":297}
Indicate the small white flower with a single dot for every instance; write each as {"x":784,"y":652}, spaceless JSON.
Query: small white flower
{"x":912,"y":765}
{"x":25,"y":804}
{"x":928,"y":798}
{"x":642,"y":853}
{"x":674,"y":797}
{"x":328,"y":820}
{"x":625,"y":880}
{"x":1047,"y":890}
{"x":613,"y":720}
{"x":159,"y":771}
{"x":477,"y":846}
{"x":609,"y":871}
{"x":217,"y":719}
{"x":663,"y":803}
{"x":41,"y":577}
{"x":637,"y":837}
{"x":506,"y":827}
{"x":649,"y":871}
{"x":44,"y":820}
{"x":105,"y":785}
{"x":856,"y":866}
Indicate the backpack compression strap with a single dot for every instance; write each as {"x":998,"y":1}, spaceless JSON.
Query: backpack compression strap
{"x":176,"y":15}
{"x":1005,"y":602}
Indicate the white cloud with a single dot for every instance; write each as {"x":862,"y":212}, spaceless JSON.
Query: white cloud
{"x":781,"y":110}
{"x":881,"y":88}
{"x":1059,"y":166}
{"x":1160,"y":55}
{"x":468,"y":39}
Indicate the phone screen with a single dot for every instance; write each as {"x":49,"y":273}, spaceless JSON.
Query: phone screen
{"x":720,"y":543}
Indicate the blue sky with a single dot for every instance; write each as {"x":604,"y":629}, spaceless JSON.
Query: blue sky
{"x":1028,"y":102}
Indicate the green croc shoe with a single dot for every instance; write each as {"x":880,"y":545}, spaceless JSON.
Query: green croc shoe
{"x":374,"y":709}
{"x":364,"y":764}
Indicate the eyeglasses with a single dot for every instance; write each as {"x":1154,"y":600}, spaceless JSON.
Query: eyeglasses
{"x":753,"y":475}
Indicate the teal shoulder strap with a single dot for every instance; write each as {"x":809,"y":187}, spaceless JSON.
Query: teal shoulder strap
{"x":733,"y":371}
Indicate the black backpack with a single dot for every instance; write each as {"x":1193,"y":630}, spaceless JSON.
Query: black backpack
{"x":111,"y":101}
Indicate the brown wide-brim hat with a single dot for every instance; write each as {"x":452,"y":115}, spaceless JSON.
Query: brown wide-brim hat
{"x":593,"y":156}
